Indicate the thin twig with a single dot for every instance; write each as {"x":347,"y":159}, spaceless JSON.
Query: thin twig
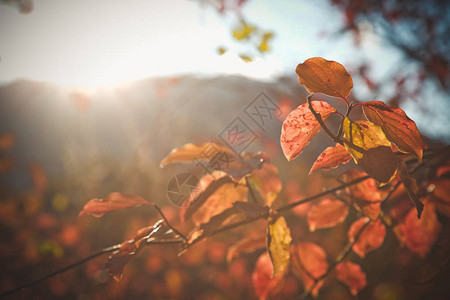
{"x":167,"y":222}
{"x":252,"y":194}
{"x":321,"y":122}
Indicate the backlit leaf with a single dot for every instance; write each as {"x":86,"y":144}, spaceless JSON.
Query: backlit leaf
{"x":331,"y":157}
{"x":371,"y":238}
{"x":411,"y":188}
{"x":278,"y":242}
{"x":222,"y":198}
{"x":190,"y":153}
{"x":266,"y":182}
{"x":310,"y":260}
{"x":262,"y":280}
{"x":301,"y":126}
{"x":366,"y":190}
{"x":441,"y":195}
{"x":114,"y":201}
{"x":396,"y":125}
{"x":328,"y":213}
{"x":370,"y":149}
{"x":352,"y":275}
{"x":319,"y":75}
{"x":419,"y":235}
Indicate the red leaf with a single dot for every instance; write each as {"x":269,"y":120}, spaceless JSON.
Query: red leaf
{"x":301,"y":126}
{"x":326,"y":214}
{"x":371,"y":238}
{"x":441,"y":195}
{"x":352,"y":275}
{"x":114,"y":201}
{"x":319,"y":75}
{"x":310,"y":260}
{"x":332,"y":157}
{"x":399,"y":129}
{"x":263,"y":282}
{"x":190,"y":153}
{"x":419,"y":234}
{"x":411,"y":188}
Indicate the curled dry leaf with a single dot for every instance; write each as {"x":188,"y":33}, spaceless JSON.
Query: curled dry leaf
{"x":278,"y":242}
{"x":246,"y":245}
{"x":371,"y":238}
{"x":331,"y":157}
{"x":328,"y":213}
{"x":352,"y":275}
{"x":114,"y":201}
{"x":370,"y":149}
{"x":419,"y":235}
{"x":262,"y":280}
{"x":266,"y":182}
{"x":190,"y":153}
{"x":396,"y":125}
{"x":301,"y":126}
{"x":319,"y":75}
{"x":120,"y":257}
{"x":310,"y":261}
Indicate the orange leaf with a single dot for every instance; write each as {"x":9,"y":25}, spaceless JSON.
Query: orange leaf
{"x":371,"y":238}
{"x":419,"y":234}
{"x":319,"y":75}
{"x":441,"y":195}
{"x":114,"y":201}
{"x":370,"y":149}
{"x":190,"y":153}
{"x":331,"y":157}
{"x":352,"y":275}
{"x":326,"y":214}
{"x":301,"y":126}
{"x":263,"y":282}
{"x":310,"y":260}
{"x":221,"y":199}
{"x":278,"y":242}
{"x":399,"y":129}
{"x":366,"y":190}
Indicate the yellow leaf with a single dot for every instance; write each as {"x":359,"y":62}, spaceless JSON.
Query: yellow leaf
{"x":319,"y":75}
{"x":370,"y":149}
{"x":278,"y":241}
{"x":243,"y":31}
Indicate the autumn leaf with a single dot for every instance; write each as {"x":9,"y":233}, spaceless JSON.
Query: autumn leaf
{"x":262,"y":280}
{"x":331,"y":157}
{"x":396,"y":125}
{"x":114,"y":201}
{"x":243,"y":31}
{"x":208,"y":185}
{"x":328,"y":213}
{"x":441,"y":195}
{"x":190,"y":153}
{"x":310,"y":260}
{"x":266,"y":182}
{"x":319,"y":75}
{"x":352,"y":275}
{"x":301,"y":126}
{"x":221,"y":199}
{"x":251,"y":209}
{"x":411,"y":188}
{"x":370,"y":149}
{"x":246,"y":245}
{"x":419,"y":235}
{"x":365,"y":194}
{"x":371,"y":238}
{"x":278,"y":242}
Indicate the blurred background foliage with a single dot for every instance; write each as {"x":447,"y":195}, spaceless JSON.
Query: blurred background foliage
{"x":60,"y":147}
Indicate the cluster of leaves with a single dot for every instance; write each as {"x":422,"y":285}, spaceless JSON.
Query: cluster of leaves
{"x":246,"y":191}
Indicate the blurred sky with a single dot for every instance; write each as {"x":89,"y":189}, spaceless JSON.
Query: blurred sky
{"x":87,"y":43}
